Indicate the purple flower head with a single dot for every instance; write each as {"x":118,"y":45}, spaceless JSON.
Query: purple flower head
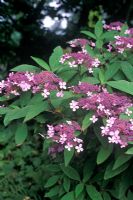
{"x":42,"y":82}
{"x":114,"y":26}
{"x":129,"y":31}
{"x":123,"y":43}
{"x":119,"y":131}
{"x":84,"y":88}
{"x":80,"y":58}
{"x":79,"y":42}
{"x":64,"y":135}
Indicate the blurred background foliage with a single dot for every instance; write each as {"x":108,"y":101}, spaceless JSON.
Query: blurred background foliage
{"x":35,"y":27}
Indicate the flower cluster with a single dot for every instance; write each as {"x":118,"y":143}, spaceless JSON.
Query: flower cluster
{"x":123,"y":43}
{"x":81,"y":43}
{"x":119,"y":131}
{"x":104,"y":105}
{"x":64,"y":135}
{"x":80,"y":58}
{"x":42,"y":82}
{"x":114,"y":26}
{"x":78,"y":43}
{"x":129,"y":31}
{"x":85,"y":88}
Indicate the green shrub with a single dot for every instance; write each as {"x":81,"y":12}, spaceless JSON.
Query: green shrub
{"x":66,"y":131}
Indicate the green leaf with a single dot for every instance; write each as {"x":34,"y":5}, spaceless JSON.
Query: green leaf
{"x":66,"y":183}
{"x":124,"y":184}
{"x":109,"y":173}
{"x":55,"y":58}
{"x":53,"y":191}
{"x":106,"y":196}
{"x":4,"y":110}
{"x":99,"y":43}
{"x":4,"y":98}
{"x":37,"y":98}
{"x":91,"y":80}
{"x":21,"y":133}
{"x":57,"y":101}
{"x":90,"y":50}
{"x":61,"y":191}
{"x":24,"y":68}
{"x":109,"y":35}
{"x":112,"y":70}
{"x":68,"y":156}
{"x":101,"y":139}
{"x":25,"y":98}
{"x":127,"y":69}
{"x":104,"y":153}
{"x":122,"y":85}
{"x":93,"y":193}
{"x":41,"y":63}
{"x":36,"y":109}
{"x":16,"y":113}
{"x":82,"y":196}
{"x":88,"y":170}
{"x":89,"y":34}
{"x":102,"y":76}
{"x":120,"y":160}
{"x":130,"y":151}
{"x":86,"y":121}
{"x":66,"y":73}
{"x":52,"y":168}
{"x":130,"y":195}
{"x":69,"y":195}
{"x":79,"y":188}
{"x":51,"y":181}
{"x":123,"y":29}
{"x":118,"y":76}
{"x":98,"y":29}
{"x":70,"y":172}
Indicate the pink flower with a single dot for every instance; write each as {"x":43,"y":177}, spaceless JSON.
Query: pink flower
{"x":62,"y":85}
{"x":45,"y":93}
{"x":74,"y":105}
{"x":114,"y":26}
{"x":93,"y":118}
{"x":96,"y":62}
{"x":72,"y":64}
{"x":79,"y":148}
{"x":68,"y":146}
{"x":101,"y":107}
{"x":60,"y":94}
{"x":50,"y":131}
{"x":128,"y":112}
{"x":24,"y":86}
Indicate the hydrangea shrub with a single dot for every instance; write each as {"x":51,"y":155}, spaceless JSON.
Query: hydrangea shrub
{"x":81,"y":105}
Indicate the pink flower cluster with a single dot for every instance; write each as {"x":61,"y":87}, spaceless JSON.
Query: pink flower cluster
{"x":64,"y":135}
{"x":80,"y":58}
{"x":81,"y":42}
{"x":74,"y":59}
{"x":114,"y":26}
{"x":85,"y":88}
{"x":104,"y":105}
{"x":123,"y":43}
{"x":129,"y":31}
{"x":119,"y":131}
{"x":42,"y":82}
